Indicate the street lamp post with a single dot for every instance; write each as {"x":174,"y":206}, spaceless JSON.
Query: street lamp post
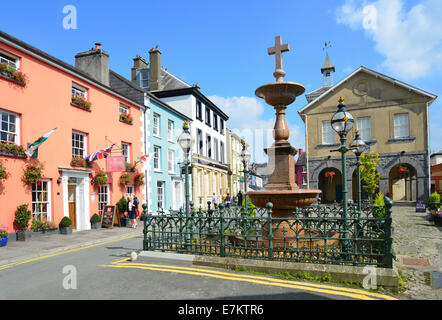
{"x":186,"y":143}
{"x":358,"y":146}
{"x":245,"y":157}
{"x":342,"y":122}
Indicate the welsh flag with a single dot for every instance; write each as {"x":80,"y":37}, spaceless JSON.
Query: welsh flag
{"x":33,"y":148}
{"x":145,"y":158}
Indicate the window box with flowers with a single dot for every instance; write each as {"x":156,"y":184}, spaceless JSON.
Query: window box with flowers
{"x":80,"y":162}
{"x":81,"y":102}
{"x":11,"y":149}
{"x":126,"y":118}
{"x":12,"y":74}
{"x":139,"y":179}
{"x":125,"y":179}
{"x":32,"y":174}
{"x":100,"y":178}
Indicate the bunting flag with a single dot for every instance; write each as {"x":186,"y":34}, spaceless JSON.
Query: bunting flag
{"x":101,"y":154}
{"x":33,"y":147}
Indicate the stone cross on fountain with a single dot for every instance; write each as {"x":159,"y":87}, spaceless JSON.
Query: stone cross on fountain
{"x":277,"y":50}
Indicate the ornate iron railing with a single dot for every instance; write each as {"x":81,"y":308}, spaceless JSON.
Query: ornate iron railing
{"x":316,"y":234}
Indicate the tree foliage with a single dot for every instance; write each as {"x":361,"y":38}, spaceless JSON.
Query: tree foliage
{"x":369,"y":175}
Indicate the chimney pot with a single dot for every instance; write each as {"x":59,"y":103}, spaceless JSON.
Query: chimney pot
{"x":98,"y":45}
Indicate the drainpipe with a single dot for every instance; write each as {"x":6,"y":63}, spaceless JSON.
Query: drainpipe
{"x":145,"y":152}
{"x":428,"y":153}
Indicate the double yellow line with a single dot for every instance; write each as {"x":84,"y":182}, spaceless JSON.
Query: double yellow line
{"x":13,"y":264}
{"x":305,"y":286}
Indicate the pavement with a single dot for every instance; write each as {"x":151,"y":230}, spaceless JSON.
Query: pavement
{"x":42,"y":245}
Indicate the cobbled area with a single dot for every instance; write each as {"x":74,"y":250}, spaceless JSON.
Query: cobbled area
{"x":418,"y":249}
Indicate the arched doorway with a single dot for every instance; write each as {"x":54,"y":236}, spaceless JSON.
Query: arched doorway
{"x":330,"y":183}
{"x":402,"y":182}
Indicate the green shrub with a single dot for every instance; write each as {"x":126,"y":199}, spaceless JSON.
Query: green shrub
{"x":36,"y":225}
{"x":22,"y":217}
{"x":95,"y":218}
{"x":122,"y":205}
{"x":434,"y":197}
{"x":65,"y":222}
{"x":379,"y":206}
{"x":3,"y":233}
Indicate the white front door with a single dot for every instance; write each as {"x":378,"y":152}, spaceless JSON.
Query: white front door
{"x":76,"y":197}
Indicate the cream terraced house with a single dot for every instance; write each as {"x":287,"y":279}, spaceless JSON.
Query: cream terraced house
{"x":392,"y":118}
{"x":234,"y":149}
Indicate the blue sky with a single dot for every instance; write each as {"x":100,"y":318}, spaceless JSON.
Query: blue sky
{"x":222,"y":45}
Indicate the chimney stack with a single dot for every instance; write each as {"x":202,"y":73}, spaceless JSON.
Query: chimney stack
{"x":155,"y":69}
{"x":139,"y":64}
{"x":94,"y":62}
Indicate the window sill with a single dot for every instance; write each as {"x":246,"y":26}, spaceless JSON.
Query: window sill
{"x":12,"y":154}
{"x":158,"y":171}
{"x":80,"y":107}
{"x":126,"y":122}
{"x":7,"y":77}
{"x":401,"y":140}
{"x":171,"y":141}
{"x":157,"y":136}
{"x":321,"y":146}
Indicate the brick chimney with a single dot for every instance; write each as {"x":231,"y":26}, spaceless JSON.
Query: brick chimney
{"x":94,"y":62}
{"x":139,"y":63}
{"x":155,"y":69}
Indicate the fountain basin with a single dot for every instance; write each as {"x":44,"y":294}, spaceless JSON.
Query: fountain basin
{"x":280,"y":93}
{"x":284,"y":201}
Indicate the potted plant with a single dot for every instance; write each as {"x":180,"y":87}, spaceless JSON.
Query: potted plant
{"x":3,"y":237}
{"x":95,"y":221}
{"x":434,"y":201}
{"x":65,"y":225}
{"x":21,"y":222}
{"x":122,"y":207}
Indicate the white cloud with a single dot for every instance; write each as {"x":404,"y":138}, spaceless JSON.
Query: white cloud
{"x":410,"y":41}
{"x":246,"y":118}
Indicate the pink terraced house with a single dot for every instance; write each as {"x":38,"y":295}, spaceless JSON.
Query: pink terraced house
{"x":88,"y":116}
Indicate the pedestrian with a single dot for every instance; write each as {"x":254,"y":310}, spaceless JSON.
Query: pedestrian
{"x":228,"y":200}
{"x":131,"y":212}
{"x":239,"y":196}
{"x":136,"y":203}
{"x":215,"y":200}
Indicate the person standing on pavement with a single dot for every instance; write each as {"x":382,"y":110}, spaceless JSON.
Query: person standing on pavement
{"x":239,"y":196}
{"x":136,"y":203}
{"x":228,"y":200}
{"x":215,"y":200}
{"x":131,"y":212}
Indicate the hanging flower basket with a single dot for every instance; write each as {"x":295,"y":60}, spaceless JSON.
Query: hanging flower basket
{"x":100,"y":178}
{"x":139,"y":180}
{"x":125,"y":179}
{"x":330,"y":174}
{"x":4,"y":174}
{"x":402,"y":169}
{"x":32,"y":174}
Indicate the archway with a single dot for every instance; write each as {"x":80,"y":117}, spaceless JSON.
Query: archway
{"x":330,"y":183}
{"x":402,"y":182}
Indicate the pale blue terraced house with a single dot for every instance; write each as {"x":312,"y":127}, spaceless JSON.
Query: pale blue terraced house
{"x":164,"y":186}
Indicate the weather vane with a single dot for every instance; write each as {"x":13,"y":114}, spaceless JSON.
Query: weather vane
{"x":327,"y":45}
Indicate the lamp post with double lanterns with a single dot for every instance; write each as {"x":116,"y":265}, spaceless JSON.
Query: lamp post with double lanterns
{"x":245,"y":157}
{"x":342,"y":122}
{"x":186,"y":143}
{"x":358,"y":146}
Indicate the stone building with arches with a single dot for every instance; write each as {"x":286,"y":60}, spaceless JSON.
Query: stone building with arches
{"x":391,"y":117}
